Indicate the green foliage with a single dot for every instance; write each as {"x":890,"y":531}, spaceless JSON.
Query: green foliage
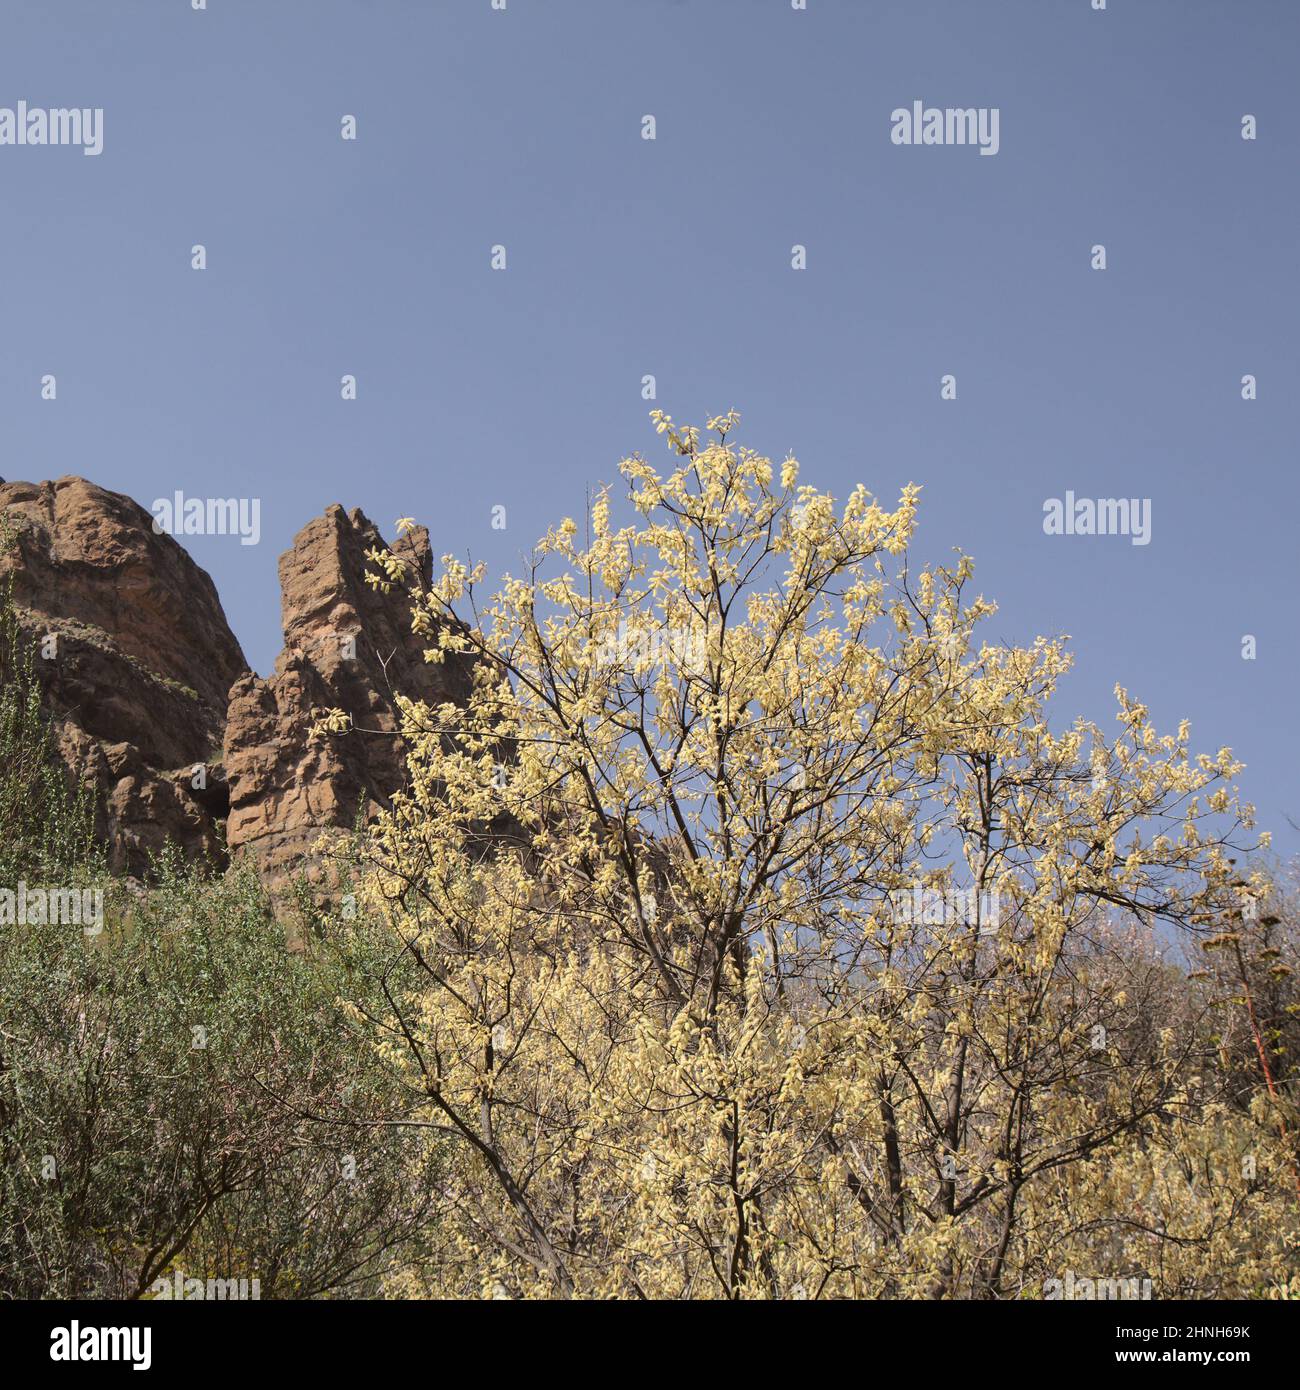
{"x":182,"y":1092}
{"x":46,"y":821}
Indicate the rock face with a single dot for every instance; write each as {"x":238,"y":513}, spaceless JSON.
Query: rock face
{"x":153,"y":702}
{"x":135,"y":659}
{"x":347,"y":646}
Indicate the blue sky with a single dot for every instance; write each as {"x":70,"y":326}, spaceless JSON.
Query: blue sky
{"x":672,"y":257}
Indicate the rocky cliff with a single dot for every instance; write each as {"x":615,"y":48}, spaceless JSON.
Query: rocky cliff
{"x":135,"y":659}
{"x":346,"y":646}
{"x":153,"y":702}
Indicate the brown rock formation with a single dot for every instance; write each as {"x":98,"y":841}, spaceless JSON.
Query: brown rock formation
{"x":137,"y":674}
{"x":147,"y":683}
{"x":347,"y":646}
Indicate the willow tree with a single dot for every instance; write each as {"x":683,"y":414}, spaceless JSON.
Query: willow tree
{"x":797,"y":975}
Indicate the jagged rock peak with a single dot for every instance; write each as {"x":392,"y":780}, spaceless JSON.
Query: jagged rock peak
{"x":346,"y":645}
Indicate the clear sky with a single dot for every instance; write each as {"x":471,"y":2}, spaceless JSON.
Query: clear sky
{"x":672,"y":257}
